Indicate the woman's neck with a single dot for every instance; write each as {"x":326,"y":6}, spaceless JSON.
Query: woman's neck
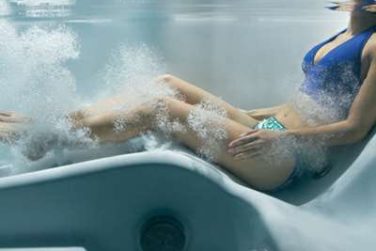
{"x":360,"y":21}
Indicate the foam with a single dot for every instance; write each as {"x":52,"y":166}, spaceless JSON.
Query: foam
{"x":207,"y":120}
{"x":4,"y":8}
{"x":35,"y":81}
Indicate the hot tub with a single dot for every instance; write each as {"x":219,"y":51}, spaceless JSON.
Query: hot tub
{"x":168,"y":199}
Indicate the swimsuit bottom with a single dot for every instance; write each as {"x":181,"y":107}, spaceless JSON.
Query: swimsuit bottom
{"x":271,"y":123}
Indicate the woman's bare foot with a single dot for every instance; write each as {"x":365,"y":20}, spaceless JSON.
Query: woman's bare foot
{"x":12,"y":126}
{"x":35,"y":141}
{"x":37,"y":145}
{"x":13,"y":117}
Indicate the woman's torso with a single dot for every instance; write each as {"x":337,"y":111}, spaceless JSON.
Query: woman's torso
{"x":290,"y":118}
{"x":334,"y":71}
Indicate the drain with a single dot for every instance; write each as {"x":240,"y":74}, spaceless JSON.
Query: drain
{"x":162,"y":233}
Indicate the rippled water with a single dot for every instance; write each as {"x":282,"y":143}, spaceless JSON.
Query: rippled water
{"x":70,"y":51}
{"x":114,"y":9}
{"x":57,"y":55}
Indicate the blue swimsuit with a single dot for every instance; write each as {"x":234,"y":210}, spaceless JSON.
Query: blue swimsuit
{"x":334,"y":80}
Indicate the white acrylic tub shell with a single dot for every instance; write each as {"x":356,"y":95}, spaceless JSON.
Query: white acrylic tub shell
{"x":102,"y":205}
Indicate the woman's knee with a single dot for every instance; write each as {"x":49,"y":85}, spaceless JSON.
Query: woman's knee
{"x":166,"y":78}
{"x":173,"y":82}
{"x":156,"y":105}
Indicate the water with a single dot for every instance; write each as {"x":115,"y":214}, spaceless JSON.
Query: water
{"x":59,"y":55}
{"x":86,"y":50}
{"x":42,"y":75}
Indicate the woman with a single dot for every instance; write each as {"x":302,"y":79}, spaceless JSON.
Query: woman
{"x":250,"y":135}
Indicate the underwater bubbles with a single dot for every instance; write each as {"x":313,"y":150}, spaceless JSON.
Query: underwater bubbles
{"x":132,"y":76}
{"x":4,"y":8}
{"x":36,"y":83}
{"x":131,"y":81}
{"x":321,"y":104}
{"x":34,"y":79}
{"x":207,"y":120}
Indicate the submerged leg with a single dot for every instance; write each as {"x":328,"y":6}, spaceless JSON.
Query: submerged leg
{"x":193,"y":94}
{"x":256,"y":172}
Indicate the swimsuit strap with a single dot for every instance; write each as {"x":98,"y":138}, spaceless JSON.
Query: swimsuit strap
{"x":338,"y":72}
{"x":353,"y":46}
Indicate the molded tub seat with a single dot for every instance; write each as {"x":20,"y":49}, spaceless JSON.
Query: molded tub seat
{"x":104,"y":204}
{"x":341,"y":158}
{"x":171,"y":200}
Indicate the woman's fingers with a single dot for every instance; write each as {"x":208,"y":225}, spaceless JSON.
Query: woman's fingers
{"x":247,"y":147}
{"x":243,"y":139}
{"x":248,"y":132}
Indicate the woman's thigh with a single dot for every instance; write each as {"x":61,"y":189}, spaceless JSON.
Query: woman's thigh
{"x":256,"y":172}
{"x":193,"y":94}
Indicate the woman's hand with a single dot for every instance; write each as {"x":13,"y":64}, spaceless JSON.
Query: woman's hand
{"x":253,"y":143}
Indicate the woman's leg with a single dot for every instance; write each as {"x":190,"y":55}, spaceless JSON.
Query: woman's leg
{"x":193,"y":95}
{"x":258,"y":173}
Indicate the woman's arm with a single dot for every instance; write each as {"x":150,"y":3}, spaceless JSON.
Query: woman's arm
{"x":339,"y":133}
{"x":360,"y":120}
